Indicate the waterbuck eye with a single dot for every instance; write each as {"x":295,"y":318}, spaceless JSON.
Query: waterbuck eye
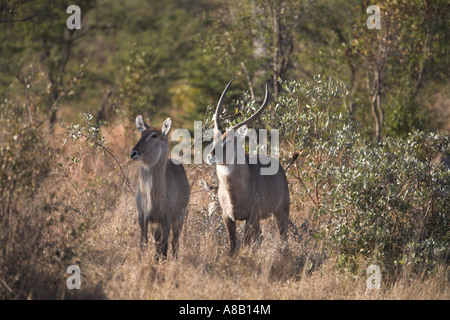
{"x":152,"y":135}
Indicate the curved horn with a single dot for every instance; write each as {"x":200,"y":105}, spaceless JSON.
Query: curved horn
{"x":219,"y":108}
{"x":257,"y":113}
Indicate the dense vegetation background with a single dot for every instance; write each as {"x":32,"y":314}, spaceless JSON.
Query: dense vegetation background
{"x":161,"y":57}
{"x":367,"y":108}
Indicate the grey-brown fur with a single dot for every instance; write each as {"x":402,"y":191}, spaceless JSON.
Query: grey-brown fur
{"x":163,"y":189}
{"x":245,"y":194}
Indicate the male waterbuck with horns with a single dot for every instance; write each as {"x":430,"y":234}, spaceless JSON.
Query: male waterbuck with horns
{"x":244,"y":193}
{"x":163,"y":190}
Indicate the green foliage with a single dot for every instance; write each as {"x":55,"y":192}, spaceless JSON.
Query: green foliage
{"x":383,"y":203}
{"x":35,"y":32}
{"x":312,"y":120}
{"x":386,"y":203}
{"x":390,"y":203}
{"x":174,"y":57}
{"x":158,"y":53}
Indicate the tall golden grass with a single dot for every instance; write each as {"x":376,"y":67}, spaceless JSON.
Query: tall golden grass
{"x":93,"y":216}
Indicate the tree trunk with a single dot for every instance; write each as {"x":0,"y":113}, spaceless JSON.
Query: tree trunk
{"x":377,"y":111}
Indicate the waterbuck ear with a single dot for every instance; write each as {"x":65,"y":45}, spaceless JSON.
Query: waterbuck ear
{"x":166,"y":127}
{"x":140,"y":124}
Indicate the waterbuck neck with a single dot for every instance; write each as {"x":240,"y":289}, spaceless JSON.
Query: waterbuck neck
{"x":239,"y":172}
{"x":152,"y":180}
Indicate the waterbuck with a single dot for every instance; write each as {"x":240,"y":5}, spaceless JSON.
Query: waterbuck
{"x":244,"y":193}
{"x":163,"y":190}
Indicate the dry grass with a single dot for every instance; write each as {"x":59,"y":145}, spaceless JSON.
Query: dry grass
{"x":205,"y":271}
{"x":113,"y":267}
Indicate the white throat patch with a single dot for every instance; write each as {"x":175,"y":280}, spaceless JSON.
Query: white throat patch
{"x":224,"y":169}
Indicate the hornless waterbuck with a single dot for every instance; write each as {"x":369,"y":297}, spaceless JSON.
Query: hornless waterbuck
{"x":163,"y":190}
{"x":244,"y":193}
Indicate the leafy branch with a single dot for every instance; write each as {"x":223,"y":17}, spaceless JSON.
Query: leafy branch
{"x":91,"y":133}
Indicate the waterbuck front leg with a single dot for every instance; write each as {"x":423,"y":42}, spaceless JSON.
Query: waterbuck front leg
{"x":143,"y":223}
{"x":161,"y":232}
{"x":230,"y":225}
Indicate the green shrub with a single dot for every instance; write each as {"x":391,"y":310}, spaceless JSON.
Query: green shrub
{"x":390,"y":203}
{"x":312,"y":120}
{"x":386,"y":204}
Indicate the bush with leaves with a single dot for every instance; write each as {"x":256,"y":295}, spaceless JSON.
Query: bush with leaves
{"x":390,"y":204}
{"x":311,"y":119}
{"x":385,"y":204}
